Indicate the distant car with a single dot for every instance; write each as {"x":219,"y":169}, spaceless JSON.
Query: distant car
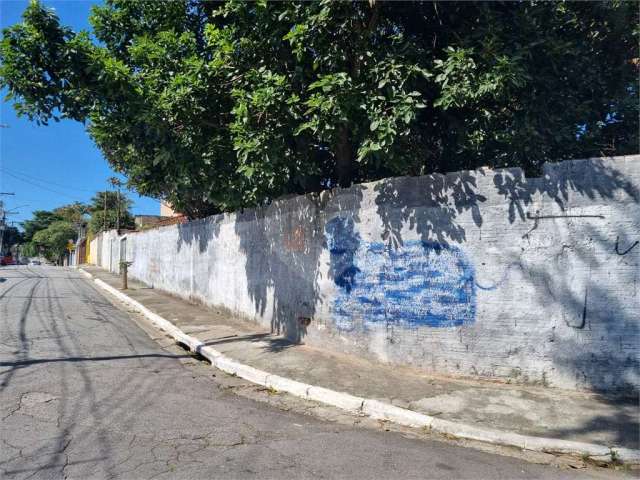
{"x":7,"y":260}
{"x":34,"y":262}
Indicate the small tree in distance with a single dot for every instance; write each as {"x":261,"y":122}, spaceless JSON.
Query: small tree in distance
{"x":110,"y":210}
{"x":54,"y":239}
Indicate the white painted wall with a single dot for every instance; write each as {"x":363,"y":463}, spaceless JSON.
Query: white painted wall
{"x":473,"y":273}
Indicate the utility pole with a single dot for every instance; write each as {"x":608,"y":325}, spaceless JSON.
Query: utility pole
{"x":2,"y":214}
{"x":115,"y":182}
{"x":18,"y":251}
{"x":3,"y":222}
{"x":118,"y":209}
{"x":2,"y":226}
{"x":3,"y":217}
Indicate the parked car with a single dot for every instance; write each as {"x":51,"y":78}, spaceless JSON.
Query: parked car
{"x":7,"y":260}
{"x":34,"y":262}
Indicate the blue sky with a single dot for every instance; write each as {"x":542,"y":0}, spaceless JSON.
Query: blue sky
{"x":49,"y":166}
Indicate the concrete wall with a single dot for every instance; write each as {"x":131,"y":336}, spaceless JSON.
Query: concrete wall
{"x":105,"y":249}
{"x":483,"y":273}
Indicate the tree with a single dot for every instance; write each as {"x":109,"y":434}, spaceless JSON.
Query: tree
{"x":54,"y":239}
{"x":29,"y":250}
{"x":41,"y":220}
{"x":10,"y":236}
{"x":75,"y":213}
{"x":110,"y":210}
{"x":61,"y":220}
{"x":216,"y":106}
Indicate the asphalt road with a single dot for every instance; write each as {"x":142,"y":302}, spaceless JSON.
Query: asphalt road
{"x":86,"y":393}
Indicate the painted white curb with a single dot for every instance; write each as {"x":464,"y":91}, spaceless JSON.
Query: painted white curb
{"x":401,"y":416}
{"x":283,"y":384}
{"x":341,"y":400}
{"x":370,"y":407}
{"x":85,"y":273}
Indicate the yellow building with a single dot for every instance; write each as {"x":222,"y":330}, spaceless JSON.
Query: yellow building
{"x":90,"y":253}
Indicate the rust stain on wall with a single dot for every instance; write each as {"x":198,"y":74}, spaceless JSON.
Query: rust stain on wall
{"x":294,"y":240}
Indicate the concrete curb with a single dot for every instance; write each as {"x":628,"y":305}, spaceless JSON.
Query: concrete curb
{"x":374,"y":408}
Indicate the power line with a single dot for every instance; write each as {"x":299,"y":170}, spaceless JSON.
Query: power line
{"x":40,"y":180}
{"x":42,"y":187}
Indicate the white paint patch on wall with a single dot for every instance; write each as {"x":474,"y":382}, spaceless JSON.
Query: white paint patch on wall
{"x":482,"y":273}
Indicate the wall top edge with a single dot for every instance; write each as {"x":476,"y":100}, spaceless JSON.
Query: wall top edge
{"x":317,"y":200}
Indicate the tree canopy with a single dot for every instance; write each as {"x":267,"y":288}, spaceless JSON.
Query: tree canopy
{"x":75,"y":213}
{"x":110,"y":210}
{"x":216,"y":106}
{"x":40,"y":220}
{"x":48,"y":232}
{"x":10,"y":237}
{"x":54,"y":239}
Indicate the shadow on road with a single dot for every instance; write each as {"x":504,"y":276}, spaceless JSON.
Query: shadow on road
{"x":34,"y":361}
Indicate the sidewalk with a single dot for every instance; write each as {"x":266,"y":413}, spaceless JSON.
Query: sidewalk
{"x":533,"y":411}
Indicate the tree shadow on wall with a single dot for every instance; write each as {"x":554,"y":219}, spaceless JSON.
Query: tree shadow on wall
{"x":593,"y":311}
{"x":433,"y":205}
{"x":602,"y":318}
{"x":441,"y":209}
{"x":282,"y":244}
{"x":594,"y":331}
{"x":428,"y":207}
{"x":201,"y":231}
{"x":561,"y":182}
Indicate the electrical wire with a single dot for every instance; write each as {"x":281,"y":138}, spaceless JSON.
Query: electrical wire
{"x":40,"y":180}
{"x":42,"y":187}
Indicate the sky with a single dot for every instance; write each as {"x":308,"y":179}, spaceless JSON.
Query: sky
{"x":49,"y":166}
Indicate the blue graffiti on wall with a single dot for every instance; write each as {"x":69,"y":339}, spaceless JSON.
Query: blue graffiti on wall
{"x":418,"y":284}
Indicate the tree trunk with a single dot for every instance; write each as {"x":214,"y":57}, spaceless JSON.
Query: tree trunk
{"x":344,"y":158}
